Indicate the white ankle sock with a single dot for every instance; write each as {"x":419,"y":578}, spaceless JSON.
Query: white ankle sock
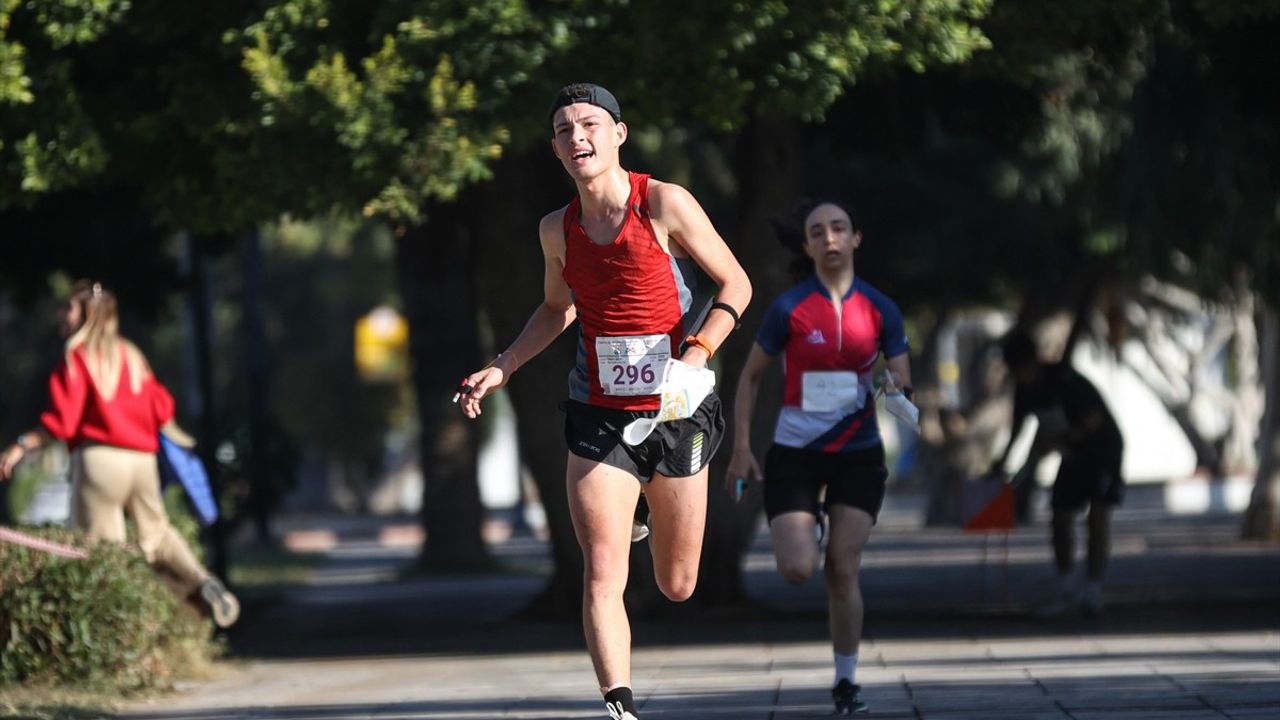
{"x":846,"y":667}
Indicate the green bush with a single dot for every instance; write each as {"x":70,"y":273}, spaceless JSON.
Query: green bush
{"x":104,"y":622}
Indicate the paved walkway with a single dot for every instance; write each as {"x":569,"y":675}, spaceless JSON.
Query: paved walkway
{"x":1192,"y":631}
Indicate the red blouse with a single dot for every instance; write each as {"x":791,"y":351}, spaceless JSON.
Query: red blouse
{"x":78,"y":413}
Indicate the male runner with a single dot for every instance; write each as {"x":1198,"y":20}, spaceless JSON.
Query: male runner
{"x":619,"y":259}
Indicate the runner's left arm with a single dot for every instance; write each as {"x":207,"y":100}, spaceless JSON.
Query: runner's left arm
{"x":687,"y":224}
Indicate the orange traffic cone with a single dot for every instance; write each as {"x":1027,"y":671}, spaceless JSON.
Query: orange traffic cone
{"x":997,"y":515}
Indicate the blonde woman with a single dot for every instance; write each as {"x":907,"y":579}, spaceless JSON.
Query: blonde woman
{"x":108,"y":408}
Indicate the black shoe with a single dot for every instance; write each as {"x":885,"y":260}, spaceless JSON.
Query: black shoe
{"x":848,"y":698}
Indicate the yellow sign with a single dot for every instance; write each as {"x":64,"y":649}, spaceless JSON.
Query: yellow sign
{"x":382,"y":346}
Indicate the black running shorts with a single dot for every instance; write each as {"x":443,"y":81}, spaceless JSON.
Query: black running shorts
{"x":794,"y":478}
{"x":1089,"y":475}
{"x":677,"y":448}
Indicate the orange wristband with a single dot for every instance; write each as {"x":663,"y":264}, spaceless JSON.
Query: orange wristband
{"x":699,"y":341}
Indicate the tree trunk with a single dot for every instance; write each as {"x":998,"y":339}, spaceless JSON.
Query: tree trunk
{"x":1191,"y":385}
{"x":1262,"y":518}
{"x":436,"y":271}
{"x":504,"y":213}
{"x":204,"y":401}
{"x":769,"y":164}
{"x":1240,"y":449}
{"x":262,"y":492}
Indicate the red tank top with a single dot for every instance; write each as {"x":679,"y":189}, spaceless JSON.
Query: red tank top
{"x":629,"y":287}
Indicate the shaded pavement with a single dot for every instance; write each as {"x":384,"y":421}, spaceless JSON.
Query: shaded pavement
{"x":1192,"y":630}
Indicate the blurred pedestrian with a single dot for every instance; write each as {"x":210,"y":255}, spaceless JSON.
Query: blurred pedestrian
{"x":1074,"y":421}
{"x":620,"y":258}
{"x":830,"y":330}
{"x":109,"y":409}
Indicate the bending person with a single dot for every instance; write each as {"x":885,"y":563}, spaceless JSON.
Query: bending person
{"x":1073,"y":420}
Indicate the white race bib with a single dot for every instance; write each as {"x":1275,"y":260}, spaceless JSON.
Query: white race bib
{"x":633,"y":364}
{"x":831,"y":390}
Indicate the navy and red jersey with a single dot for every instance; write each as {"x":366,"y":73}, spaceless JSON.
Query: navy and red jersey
{"x":629,"y":287}
{"x":79,"y":413}
{"x":803,"y":326}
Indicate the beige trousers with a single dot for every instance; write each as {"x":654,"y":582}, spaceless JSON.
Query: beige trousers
{"x":107,"y":482}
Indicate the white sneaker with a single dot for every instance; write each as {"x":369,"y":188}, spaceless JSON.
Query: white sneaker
{"x":639,"y":531}
{"x":617,"y":713}
{"x":222,"y":604}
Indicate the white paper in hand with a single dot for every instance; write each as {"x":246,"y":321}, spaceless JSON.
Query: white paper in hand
{"x":683,"y":390}
{"x":684,"y":387}
{"x":900,"y":407}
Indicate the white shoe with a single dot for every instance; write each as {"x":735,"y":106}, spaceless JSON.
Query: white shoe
{"x":617,"y":714}
{"x":224,"y":606}
{"x":639,"y":531}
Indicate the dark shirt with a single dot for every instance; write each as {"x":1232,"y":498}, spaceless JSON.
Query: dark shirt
{"x":1061,"y":392}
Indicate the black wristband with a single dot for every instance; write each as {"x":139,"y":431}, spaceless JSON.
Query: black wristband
{"x":737,"y":321}
{"x":908,"y":392}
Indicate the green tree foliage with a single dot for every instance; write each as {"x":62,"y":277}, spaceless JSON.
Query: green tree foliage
{"x":406,"y":101}
{"x":723,"y":63}
{"x":214,"y":118}
{"x":1197,"y":182}
{"x":413,"y":100}
{"x":48,"y":140}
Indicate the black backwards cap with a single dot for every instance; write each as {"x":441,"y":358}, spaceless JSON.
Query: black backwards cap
{"x":589,"y":93}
